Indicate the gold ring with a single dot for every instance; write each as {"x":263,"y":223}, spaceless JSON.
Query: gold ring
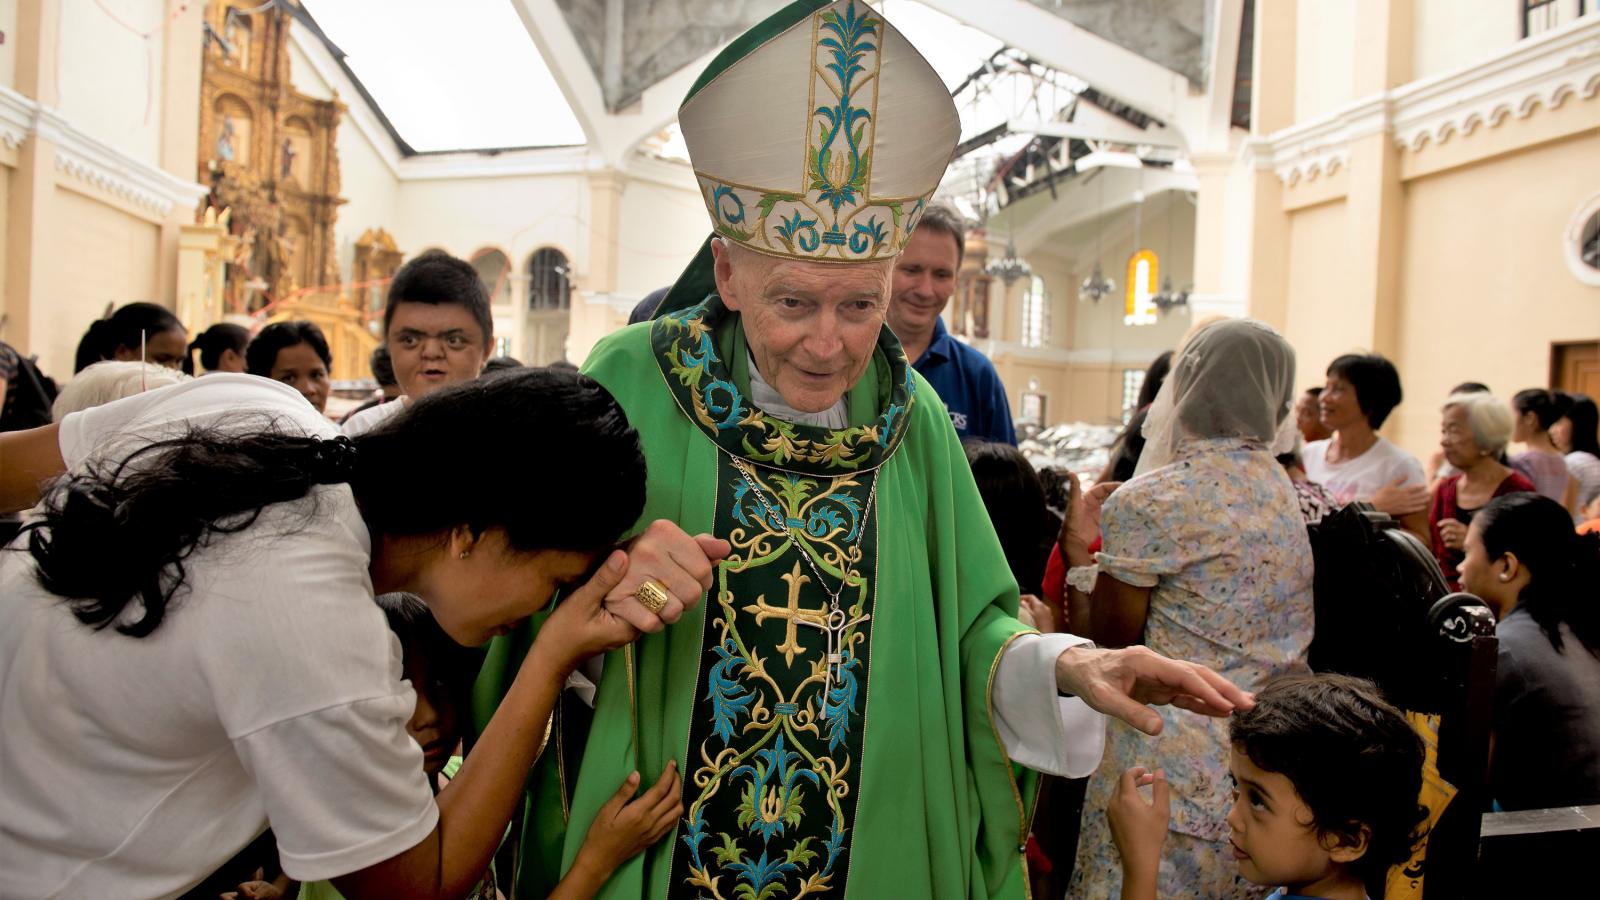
{"x":652,"y":595}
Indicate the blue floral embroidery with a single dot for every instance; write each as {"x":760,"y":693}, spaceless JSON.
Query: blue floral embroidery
{"x":765,"y":811}
{"x":796,"y":229}
{"x":723,"y":192}
{"x":838,"y":181}
{"x":841,"y":702}
{"x":867,"y":236}
{"x":727,"y":698}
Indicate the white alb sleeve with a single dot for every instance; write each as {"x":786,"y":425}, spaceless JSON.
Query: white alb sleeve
{"x":1040,"y":728}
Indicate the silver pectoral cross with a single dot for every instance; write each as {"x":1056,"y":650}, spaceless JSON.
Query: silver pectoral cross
{"x":834,"y":627}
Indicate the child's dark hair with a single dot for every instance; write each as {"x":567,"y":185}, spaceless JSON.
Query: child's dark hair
{"x":214,"y":341}
{"x":1353,"y":759}
{"x":1563,"y":566}
{"x":382,"y":367}
{"x":1376,"y":381}
{"x":437,"y":277}
{"x":1585,"y":419}
{"x":262,"y":354}
{"x":455,"y":666}
{"x":122,"y":329}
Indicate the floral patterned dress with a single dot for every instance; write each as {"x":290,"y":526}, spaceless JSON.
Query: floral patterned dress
{"x":1219,"y":539}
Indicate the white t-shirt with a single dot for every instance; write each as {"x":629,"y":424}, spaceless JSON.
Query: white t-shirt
{"x":1360,"y":478}
{"x":271,"y":693}
{"x":373,"y":416}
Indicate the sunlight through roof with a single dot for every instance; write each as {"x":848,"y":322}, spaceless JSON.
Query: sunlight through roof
{"x":463,"y":75}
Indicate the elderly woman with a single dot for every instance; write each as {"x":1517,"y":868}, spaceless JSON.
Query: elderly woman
{"x":1205,"y":558}
{"x":1473,"y":434}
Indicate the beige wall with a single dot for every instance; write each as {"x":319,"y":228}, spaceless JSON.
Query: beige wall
{"x":1315,"y":321}
{"x":661,"y":229}
{"x":1325,"y":54}
{"x":96,"y":255}
{"x":111,"y":78}
{"x":1486,"y":294}
{"x":1454,"y":33}
{"x":8,"y":56}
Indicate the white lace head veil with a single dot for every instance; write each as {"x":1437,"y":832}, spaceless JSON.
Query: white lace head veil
{"x":1231,"y":380}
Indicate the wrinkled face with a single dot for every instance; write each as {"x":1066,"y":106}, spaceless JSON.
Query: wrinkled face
{"x":435,"y":723}
{"x":812,"y":326}
{"x":302,"y":369}
{"x":924,"y":281}
{"x":1339,"y":405}
{"x":1455,"y":439}
{"x":1271,"y":828}
{"x":164,"y":348}
{"x":495,"y":587}
{"x":433,"y":345}
{"x":1308,"y":418}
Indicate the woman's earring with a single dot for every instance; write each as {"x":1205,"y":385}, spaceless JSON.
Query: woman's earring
{"x":1504,"y":577}
{"x":467,"y":553}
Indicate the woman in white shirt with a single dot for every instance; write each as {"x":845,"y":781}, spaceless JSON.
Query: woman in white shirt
{"x":1356,"y":463}
{"x":190,"y":651}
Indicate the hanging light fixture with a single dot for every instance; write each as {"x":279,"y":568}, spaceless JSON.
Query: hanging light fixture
{"x":1168,"y":299}
{"x":1009,"y":268}
{"x":1097,"y":285}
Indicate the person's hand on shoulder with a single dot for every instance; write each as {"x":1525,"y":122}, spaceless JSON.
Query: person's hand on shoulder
{"x":1397,"y":499}
{"x":1139,"y":829}
{"x":1124,"y":682}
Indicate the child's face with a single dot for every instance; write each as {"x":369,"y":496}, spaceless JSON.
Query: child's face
{"x":1272,"y":833}
{"x":433,"y":722}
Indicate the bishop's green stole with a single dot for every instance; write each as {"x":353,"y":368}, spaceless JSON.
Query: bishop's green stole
{"x":870,"y":771}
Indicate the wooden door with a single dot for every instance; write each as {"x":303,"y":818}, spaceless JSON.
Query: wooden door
{"x":1575,"y":368}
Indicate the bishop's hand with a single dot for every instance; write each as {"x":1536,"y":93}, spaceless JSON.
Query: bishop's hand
{"x":1124,"y":682}
{"x":682,"y":564}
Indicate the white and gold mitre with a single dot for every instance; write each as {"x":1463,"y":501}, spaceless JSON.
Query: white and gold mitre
{"x":819,"y":134}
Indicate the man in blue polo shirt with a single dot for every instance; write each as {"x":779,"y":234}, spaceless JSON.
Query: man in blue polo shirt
{"x":924,"y":280}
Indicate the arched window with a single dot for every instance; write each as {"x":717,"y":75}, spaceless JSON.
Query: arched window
{"x":549,"y":281}
{"x":1035,"y":314}
{"x":495,"y":270}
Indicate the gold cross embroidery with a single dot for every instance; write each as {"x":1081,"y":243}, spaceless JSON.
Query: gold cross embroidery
{"x":794,"y":615}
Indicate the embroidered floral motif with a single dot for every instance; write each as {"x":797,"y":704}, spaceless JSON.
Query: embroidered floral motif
{"x":686,"y":350}
{"x":775,"y":750}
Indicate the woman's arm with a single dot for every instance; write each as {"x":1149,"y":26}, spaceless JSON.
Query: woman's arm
{"x":1117,"y":612}
{"x":476,"y":805}
{"x":28,"y":459}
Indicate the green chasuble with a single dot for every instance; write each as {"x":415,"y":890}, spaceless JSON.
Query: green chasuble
{"x":847,"y":754}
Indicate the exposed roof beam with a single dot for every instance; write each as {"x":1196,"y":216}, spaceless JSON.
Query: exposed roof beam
{"x":1056,"y":42}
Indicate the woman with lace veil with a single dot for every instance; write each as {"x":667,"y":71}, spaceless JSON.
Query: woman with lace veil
{"x":1205,"y":557}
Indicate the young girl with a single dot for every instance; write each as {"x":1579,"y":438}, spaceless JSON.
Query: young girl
{"x":442,"y":671}
{"x":1326,"y":777}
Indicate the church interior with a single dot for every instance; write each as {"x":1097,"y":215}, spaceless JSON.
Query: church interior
{"x":1128,"y":170}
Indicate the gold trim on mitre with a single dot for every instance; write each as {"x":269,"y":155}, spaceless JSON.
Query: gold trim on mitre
{"x":825,"y":142}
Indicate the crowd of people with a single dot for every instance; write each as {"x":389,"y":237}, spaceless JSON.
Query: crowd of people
{"x":762,"y":603}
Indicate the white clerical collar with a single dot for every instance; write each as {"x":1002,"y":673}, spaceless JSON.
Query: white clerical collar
{"x":767,"y":397}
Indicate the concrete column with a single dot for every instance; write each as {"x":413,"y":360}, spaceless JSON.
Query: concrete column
{"x":1259,"y":201}
{"x":181,"y":46}
{"x":36,"y":45}
{"x":1376,"y":198}
{"x":605,"y":223}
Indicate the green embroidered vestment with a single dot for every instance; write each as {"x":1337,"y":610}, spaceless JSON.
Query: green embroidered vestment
{"x":879,"y":775}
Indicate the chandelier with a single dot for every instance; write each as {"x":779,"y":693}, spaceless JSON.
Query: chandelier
{"x":1097,"y":285}
{"x":1167,"y":299}
{"x":1009,"y":268}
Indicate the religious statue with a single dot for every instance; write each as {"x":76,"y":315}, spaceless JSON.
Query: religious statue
{"x":225,"y":139}
{"x":287,"y":169}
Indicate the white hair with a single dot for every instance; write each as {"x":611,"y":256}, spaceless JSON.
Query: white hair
{"x":111,"y":380}
{"x":1489,"y":418}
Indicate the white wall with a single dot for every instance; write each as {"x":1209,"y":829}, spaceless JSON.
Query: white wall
{"x":662,"y":228}
{"x":1325,"y":36}
{"x":110,"y":77}
{"x":1449,"y":34}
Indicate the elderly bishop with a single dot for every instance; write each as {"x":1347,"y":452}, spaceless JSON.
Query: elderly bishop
{"x":846,"y":701}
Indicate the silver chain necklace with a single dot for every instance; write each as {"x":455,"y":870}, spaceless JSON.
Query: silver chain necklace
{"x":837,"y":620}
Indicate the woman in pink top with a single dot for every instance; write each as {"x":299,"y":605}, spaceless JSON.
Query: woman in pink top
{"x":1536,"y":410}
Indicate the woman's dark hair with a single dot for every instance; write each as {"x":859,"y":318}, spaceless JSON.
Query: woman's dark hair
{"x":437,"y":277}
{"x":122,"y":329}
{"x":1352,"y":757}
{"x":262,"y":354}
{"x":454,"y":665}
{"x":1014,"y":497}
{"x":502,"y":364}
{"x":1563,"y":566}
{"x":1154,"y":377}
{"x":1547,"y":406}
{"x":213,"y":341}
{"x":1585,"y":419}
{"x":1376,"y":381}
{"x":1470,"y":387}
{"x":555,"y":466}
{"x":1129,"y":445}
